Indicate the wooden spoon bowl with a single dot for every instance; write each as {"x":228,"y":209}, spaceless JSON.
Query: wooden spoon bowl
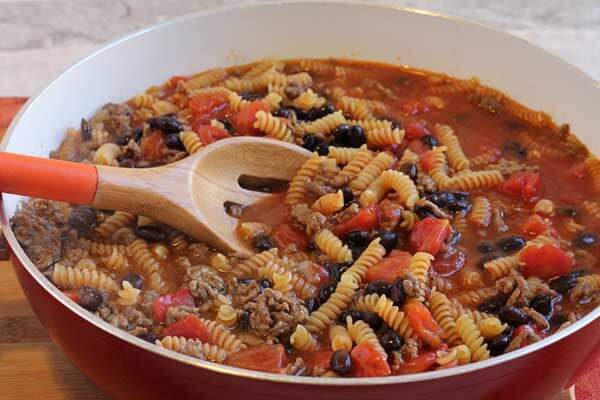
{"x":190,"y":195}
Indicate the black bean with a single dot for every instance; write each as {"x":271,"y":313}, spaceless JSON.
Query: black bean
{"x":250,"y":96}
{"x":558,"y":319}
{"x":85,"y":130}
{"x":284,"y":112}
{"x":512,"y":148}
{"x":371,"y":319}
{"x":300,"y":114}
{"x":122,"y":140}
{"x":542,"y":304}
{"x":244,"y":321}
{"x":348,"y":195}
{"x":423,"y":212}
{"x":341,"y":362}
{"x":354,"y":314}
{"x":316,"y":113}
{"x":82,"y":219}
{"x":568,"y":212}
{"x":341,"y":133}
{"x":357,"y":251}
{"x":564,"y":283}
{"x":410,"y":170}
{"x":262,"y":243}
{"x":486,"y":246}
{"x":511,"y":243}
{"x":127,"y":163}
{"x":379,"y":287}
{"x":390,"y":341}
{"x":325,"y":291}
{"x":585,"y":239}
{"x":149,"y":337}
{"x":311,"y":304}
{"x":499,"y":343}
{"x":134,"y":279}
{"x":357,"y":238}
{"x":310,"y":142}
{"x":488,"y":257}
{"x":227,"y":125}
{"x":454,"y":238}
{"x":137,"y":134}
{"x":323,"y":149}
{"x":90,"y":298}
{"x":173,"y":141}
{"x":166,"y":124}
{"x":397,"y":294}
{"x":395,"y":124}
{"x":493,"y":305}
{"x":336,"y":270}
{"x":150,"y":233}
{"x":244,"y":281}
{"x":453,"y":202}
{"x":265,"y":284}
{"x":356,"y":136}
{"x":388,"y":239}
{"x":513,"y":316}
{"x":430,"y":141}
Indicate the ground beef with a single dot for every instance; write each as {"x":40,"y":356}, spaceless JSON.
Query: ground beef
{"x":198,"y":251}
{"x":314,"y":221}
{"x":147,"y":298}
{"x":425,"y":183}
{"x":389,"y":215}
{"x":527,"y":335}
{"x":205,"y":284}
{"x":242,"y":293}
{"x":127,"y":318}
{"x":273,"y":313}
{"x":507,"y":167}
{"x":118,"y":120}
{"x":174,"y":314}
{"x":40,"y":226}
{"x":414,"y":288}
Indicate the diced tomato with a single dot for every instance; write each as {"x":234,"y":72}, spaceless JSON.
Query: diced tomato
{"x":535,"y":225}
{"x":366,"y":361}
{"x":428,"y":160}
{"x":526,"y":186}
{"x":318,"y":359}
{"x":209,"y":134}
{"x":191,"y":327}
{"x":423,"y":324}
{"x":160,"y":306}
{"x":449,"y":262}
{"x":207,"y":106}
{"x":545,"y":261}
{"x":391,"y":267}
{"x":316,"y":274}
{"x":286,"y":235}
{"x":73,"y":295}
{"x":243,"y":121}
{"x":265,"y":357}
{"x":153,"y":146}
{"x":414,"y":130}
{"x":429,"y":234}
{"x":416,"y":146}
{"x":421,"y":363}
{"x":389,"y":211}
{"x":366,"y":219}
{"x":578,"y":170}
{"x":174,"y":80}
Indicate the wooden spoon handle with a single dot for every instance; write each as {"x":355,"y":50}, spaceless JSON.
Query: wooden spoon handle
{"x":48,"y":179}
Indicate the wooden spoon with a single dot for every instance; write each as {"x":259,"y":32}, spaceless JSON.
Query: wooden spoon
{"x":190,"y":194}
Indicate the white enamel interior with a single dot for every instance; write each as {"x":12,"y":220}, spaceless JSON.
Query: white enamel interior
{"x":240,"y":34}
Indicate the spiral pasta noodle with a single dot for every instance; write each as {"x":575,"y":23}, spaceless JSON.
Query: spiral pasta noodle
{"x":409,"y":219}
{"x":359,"y":161}
{"x":477,"y":296}
{"x":220,"y":336}
{"x":419,"y":265}
{"x":367,"y":302}
{"x":205,"y":79}
{"x":470,"y":181}
{"x":490,"y":327}
{"x":329,"y":311}
{"x":194,"y":348}
{"x":439,"y":169}
{"x":331,"y":245}
{"x":103,"y":249}
{"x":381,"y":138}
{"x":263,"y":66}
{"x":501,"y":267}
{"x":71,"y":278}
{"x":329,"y":203}
{"x":301,"y":286}
{"x":307,"y":100}
{"x":236,"y":102}
{"x":393,"y":317}
{"x":342,"y":155}
{"x":592,"y":165}
{"x":374,"y":193}
{"x":371,"y":256}
{"x":116,"y":260}
{"x":471,"y":336}
{"x":442,"y":313}
{"x":369,"y":125}
{"x":300,"y":79}
{"x":325,"y":125}
{"x":470,"y":279}
{"x":374,"y":168}
{"x":252,"y":84}
{"x":360,"y":332}
{"x":227,"y":315}
{"x":190,"y":141}
{"x":302,"y":339}
{"x":481,"y":212}
{"x":118,"y":220}
{"x":142,"y":100}
{"x":357,"y":108}
{"x":142,"y":256}
{"x":85,"y":263}
{"x":458,"y":310}
{"x":250,"y":266}
{"x":305,"y":174}
{"x":403,"y":186}
{"x":340,"y":338}
{"x":456,"y":157}
{"x":274,"y":127}
{"x":463,"y":354}
{"x":107,"y":154}
{"x":128,"y":296}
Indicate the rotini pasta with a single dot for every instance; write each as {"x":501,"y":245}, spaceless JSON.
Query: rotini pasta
{"x":331,"y":245}
{"x":456,"y":158}
{"x":481,"y":212}
{"x":471,"y":336}
{"x":329,"y":203}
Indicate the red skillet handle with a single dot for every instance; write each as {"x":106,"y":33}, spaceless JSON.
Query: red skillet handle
{"x":48,"y":179}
